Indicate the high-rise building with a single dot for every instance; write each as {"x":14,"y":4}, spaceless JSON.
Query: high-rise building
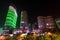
{"x":11,"y":18}
{"x":24,"y":20}
{"x":41,"y":23}
{"x":50,"y":23}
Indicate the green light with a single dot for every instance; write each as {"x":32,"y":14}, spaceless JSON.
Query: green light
{"x":1,"y":30}
{"x":58,"y":24}
{"x":11,"y":18}
{"x":9,"y":22}
{"x":11,"y":11}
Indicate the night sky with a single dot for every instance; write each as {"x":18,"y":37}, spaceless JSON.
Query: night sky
{"x":34,"y":8}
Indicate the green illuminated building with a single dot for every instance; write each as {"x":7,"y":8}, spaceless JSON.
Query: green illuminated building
{"x":11,"y":18}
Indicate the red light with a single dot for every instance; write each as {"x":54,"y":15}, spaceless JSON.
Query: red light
{"x":24,"y":30}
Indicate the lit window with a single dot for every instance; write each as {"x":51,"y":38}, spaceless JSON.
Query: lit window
{"x":22,"y":22}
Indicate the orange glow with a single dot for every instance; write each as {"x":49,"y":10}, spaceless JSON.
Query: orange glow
{"x":2,"y":37}
{"x":49,"y":33}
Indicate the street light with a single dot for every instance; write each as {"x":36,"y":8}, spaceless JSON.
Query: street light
{"x":49,"y":33}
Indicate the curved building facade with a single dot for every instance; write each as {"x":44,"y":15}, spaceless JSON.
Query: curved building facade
{"x":11,"y":18}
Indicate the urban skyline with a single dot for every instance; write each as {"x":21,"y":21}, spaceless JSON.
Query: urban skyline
{"x":29,"y":20}
{"x":40,"y":20}
{"x":33,"y":10}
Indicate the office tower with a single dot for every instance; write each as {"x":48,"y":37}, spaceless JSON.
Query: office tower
{"x":50,"y":23}
{"x":41,"y":23}
{"x":11,"y":18}
{"x":24,"y":20}
{"x":21,"y":21}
